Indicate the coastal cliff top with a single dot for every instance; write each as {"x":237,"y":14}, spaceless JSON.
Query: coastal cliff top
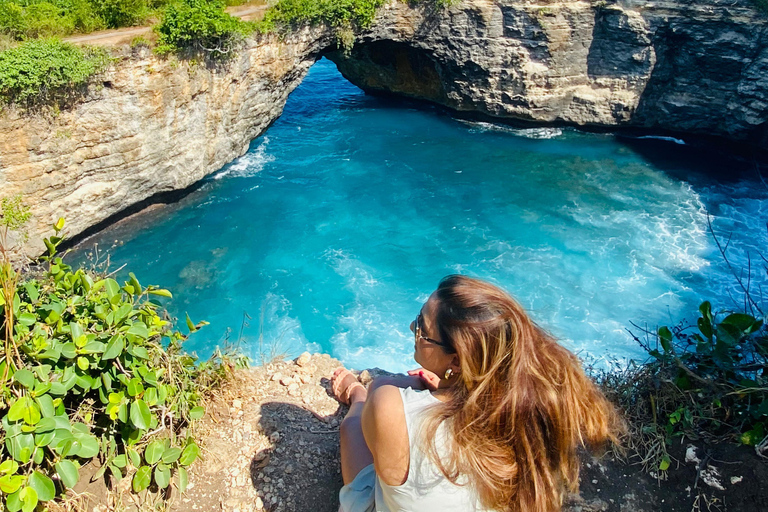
{"x":271,"y":442}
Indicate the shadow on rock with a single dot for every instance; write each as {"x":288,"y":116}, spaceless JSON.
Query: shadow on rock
{"x":301,"y":470}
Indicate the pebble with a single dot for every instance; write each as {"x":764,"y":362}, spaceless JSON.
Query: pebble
{"x":303,"y":359}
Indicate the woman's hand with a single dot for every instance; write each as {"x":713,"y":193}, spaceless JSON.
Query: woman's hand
{"x":429,"y":379}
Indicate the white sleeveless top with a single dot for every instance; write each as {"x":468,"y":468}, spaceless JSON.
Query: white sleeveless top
{"x":426,"y":488}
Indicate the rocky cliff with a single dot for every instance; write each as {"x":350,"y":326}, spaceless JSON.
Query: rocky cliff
{"x":149,"y":126}
{"x":154,"y":126}
{"x":683,"y":65}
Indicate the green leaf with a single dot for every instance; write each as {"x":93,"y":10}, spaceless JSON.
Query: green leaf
{"x":162,"y":475}
{"x":83,"y":363}
{"x":27,"y":319}
{"x":664,"y":464}
{"x":134,"y":283}
{"x":42,"y":485}
{"x":114,"y":348}
{"x":665,"y":337}
{"x":45,"y":425}
{"x":189,"y":454}
{"x":134,"y":456}
{"x":740,"y":321}
{"x":139,"y":352}
{"x":196,"y":413}
{"x":705,"y":327}
{"x":190,"y":324}
{"x":153,"y":452}
{"x":139,"y":329}
{"x":89,"y":446}
{"x":135,"y":387}
{"x":76,"y":332}
{"x":120,"y":461}
{"x":142,"y":478}
{"x":112,"y":289}
{"x":140,"y":415}
{"x":9,"y":467}
{"x":161,"y":292}
{"x":171,"y":455}
{"x":150,"y":396}
{"x":183,"y":479}
{"x":16,"y":412}
{"x":11,"y":483}
{"x":24,"y":377}
{"x":13,"y":501}
{"x":28,"y":498}
{"x":68,"y":472}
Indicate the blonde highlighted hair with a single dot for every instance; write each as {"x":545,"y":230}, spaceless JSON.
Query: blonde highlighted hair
{"x":521,"y":407}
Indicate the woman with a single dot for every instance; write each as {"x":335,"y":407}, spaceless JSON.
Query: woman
{"x":492,"y":421}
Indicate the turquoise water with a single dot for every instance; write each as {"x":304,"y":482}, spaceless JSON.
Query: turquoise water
{"x":341,"y":219}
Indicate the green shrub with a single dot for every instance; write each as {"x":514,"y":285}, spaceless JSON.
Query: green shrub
{"x":334,"y":13}
{"x":705,"y":382}
{"x":47,"y":70}
{"x":199,"y":27}
{"x":90,"y":368}
{"x":123,"y":13}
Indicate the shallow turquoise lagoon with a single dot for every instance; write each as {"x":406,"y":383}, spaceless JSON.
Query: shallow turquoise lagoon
{"x":333,"y":229}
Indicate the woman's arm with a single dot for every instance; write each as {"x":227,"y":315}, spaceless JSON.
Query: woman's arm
{"x":416,"y":379}
{"x":386,"y":434}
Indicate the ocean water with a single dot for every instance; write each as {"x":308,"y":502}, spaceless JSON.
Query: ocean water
{"x":330,"y":233}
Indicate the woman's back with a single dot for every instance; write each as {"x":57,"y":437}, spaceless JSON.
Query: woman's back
{"x":425,"y":488}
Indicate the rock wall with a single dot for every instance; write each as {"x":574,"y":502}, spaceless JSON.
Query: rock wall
{"x":155,"y":125}
{"x":684,"y":65}
{"x":150,"y":126}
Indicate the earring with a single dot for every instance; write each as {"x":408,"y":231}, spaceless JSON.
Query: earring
{"x":448,"y":373}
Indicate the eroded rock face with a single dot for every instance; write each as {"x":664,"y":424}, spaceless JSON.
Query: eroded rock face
{"x":153,"y":126}
{"x":686,"y":66}
{"x":698,"y":66}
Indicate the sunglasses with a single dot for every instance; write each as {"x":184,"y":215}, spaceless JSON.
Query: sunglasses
{"x":417,"y":332}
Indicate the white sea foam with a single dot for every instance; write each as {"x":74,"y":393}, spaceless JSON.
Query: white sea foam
{"x":249,"y":164}
{"x":661,"y":137}
{"x":530,"y":133}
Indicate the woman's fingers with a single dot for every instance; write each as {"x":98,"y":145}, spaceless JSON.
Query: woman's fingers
{"x":430,"y":380}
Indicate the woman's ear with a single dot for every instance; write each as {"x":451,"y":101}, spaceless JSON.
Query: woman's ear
{"x":454,"y":364}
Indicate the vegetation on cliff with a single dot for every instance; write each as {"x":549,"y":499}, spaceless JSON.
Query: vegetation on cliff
{"x":334,"y":13}
{"x":200,"y":27}
{"x":29,"y":19}
{"x":47,"y":71}
{"x":707,"y":381}
{"x":91,"y":369}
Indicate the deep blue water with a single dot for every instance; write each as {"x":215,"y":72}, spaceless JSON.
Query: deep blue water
{"x":341,"y":219}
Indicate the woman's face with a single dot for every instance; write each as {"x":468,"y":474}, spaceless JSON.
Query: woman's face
{"x":428,"y":354}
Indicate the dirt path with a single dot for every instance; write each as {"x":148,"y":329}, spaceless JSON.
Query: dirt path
{"x":247,"y":12}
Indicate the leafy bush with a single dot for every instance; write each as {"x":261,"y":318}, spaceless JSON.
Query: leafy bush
{"x":84,"y":373}
{"x":47,"y":70}
{"x":334,"y":13}
{"x":30,"y":19}
{"x":705,"y":382}
{"x":123,"y":13}
{"x":199,"y":27}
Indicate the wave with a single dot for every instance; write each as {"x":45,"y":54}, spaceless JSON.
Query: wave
{"x":529,"y":133}
{"x":249,"y":164}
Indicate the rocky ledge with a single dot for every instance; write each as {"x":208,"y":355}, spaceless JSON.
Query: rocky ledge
{"x":686,"y":66}
{"x":271,"y":442}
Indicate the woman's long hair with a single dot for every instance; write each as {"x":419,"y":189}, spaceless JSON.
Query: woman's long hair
{"x":522,"y":405}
